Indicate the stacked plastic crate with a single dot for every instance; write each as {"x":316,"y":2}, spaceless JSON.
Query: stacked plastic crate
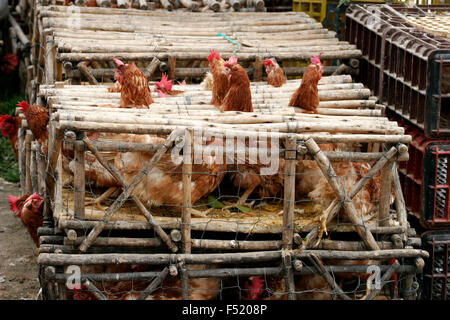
{"x":408,"y":68}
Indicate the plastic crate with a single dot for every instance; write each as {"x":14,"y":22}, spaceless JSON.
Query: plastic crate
{"x":425,"y":177}
{"x":436,"y":275}
{"x":316,"y":9}
{"x":278,"y":5}
{"x":404,"y":66}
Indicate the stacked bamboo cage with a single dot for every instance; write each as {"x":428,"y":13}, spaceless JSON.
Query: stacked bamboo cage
{"x":238,"y":245}
{"x":78,"y":43}
{"x":184,"y":5}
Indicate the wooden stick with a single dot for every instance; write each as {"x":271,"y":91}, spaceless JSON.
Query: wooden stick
{"x":22,"y":158}
{"x":328,"y":278}
{"x":49,"y":60}
{"x":79,"y":181}
{"x":33,"y":168}
{"x":186,"y":183}
{"x":385,"y":194}
{"x":85,"y":71}
{"x":154,"y":284}
{"x":152,"y":67}
{"x":386,"y":276}
{"x":220,"y":258}
{"x":400,"y":202}
{"x":28,"y":180}
{"x":18,"y":30}
{"x":97,"y":293}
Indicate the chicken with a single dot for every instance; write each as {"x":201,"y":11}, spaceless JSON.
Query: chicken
{"x":9,"y":127}
{"x":220,"y":80}
{"x":308,"y":174}
{"x":37,"y":119}
{"x":208,"y":81}
{"x":164,"y":87}
{"x":163,"y":183}
{"x":29,"y":209}
{"x":252,"y":179}
{"x":306,"y":96}
{"x":275,"y":75}
{"x":348,"y":173}
{"x":239,"y":96}
{"x":117,"y":87}
{"x":135,"y":91}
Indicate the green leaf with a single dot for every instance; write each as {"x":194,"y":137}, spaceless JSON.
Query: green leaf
{"x":244,"y":209}
{"x":214,"y":203}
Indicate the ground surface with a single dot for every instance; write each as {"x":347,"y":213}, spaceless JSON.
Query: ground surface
{"x":18,"y":265}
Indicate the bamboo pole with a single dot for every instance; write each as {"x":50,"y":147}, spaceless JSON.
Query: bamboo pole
{"x":402,"y":215}
{"x":225,"y":272}
{"x":221,"y":258}
{"x":149,"y":129}
{"x":154,"y":284}
{"x":79,"y":181}
{"x":386,"y":276}
{"x":95,"y":291}
{"x":49,"y":60}
{"x":21,"y":158}
{"x":385,"y":194}
{"x":86,"y":72}
{"x":18,"y":30}
{"x":182,"y":56}
{"x":328,"y":278}
{"x":28,"y":180}
{"x":33,"y":168}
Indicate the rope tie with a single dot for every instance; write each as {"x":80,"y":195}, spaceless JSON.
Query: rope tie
{"x":230,"y":40}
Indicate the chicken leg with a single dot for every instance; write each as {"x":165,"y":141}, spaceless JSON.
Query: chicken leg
{"x":97,"y":201}
{"x":242,"y":200}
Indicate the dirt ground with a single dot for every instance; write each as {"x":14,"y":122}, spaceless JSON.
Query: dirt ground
{"x":18,"y":257}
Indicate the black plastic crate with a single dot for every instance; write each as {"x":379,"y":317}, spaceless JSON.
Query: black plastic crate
{"x":407,"y":68}
{"x":425,"y":177}
{"x":436,"y":275}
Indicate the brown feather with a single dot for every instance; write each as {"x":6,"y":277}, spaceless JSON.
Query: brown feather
{"x":239,"y":96}
{"x":307,"y":95}
{"x":135,"y":91}
{"x":276,"y":76}
{"x":220,"y":83}
{"x":37,"y":119}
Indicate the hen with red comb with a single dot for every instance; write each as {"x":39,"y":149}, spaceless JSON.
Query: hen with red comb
{"x":37,"y":119}
{"x":29,"y":209}
{"x":275,"y":75}
{"x":220,"y":83}
{"x":134,"y":92}
{"x":306,"y":96}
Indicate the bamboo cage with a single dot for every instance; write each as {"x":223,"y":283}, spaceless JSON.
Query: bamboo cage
{"x":77,"y":44}
{"x":158,"y":248}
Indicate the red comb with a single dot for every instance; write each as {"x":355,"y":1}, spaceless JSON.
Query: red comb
{"x":118,"y":62}
{"x":23,"y":105}
{"x":231,"y":62}
{"x":255,"y":287}
{"x":165,"y":83}
{"x":267,"y":62}
{"x":34,"y":196}
{"x":316,"y":59}
{"x":13,"y":204}
{"x":213,"y":54}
